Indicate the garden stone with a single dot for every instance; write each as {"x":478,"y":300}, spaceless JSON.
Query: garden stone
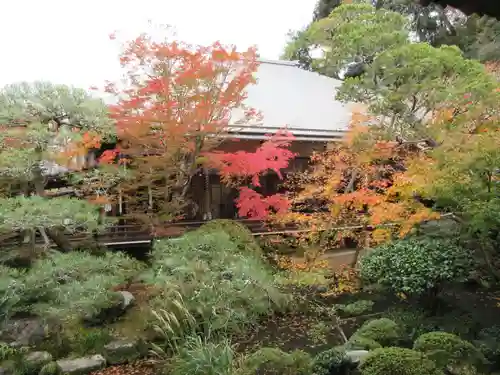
{"x":356,"y":356}
{"x":24,"y":332}
{"x":37,"y":359}
{"x":81,"y":366}
{"x":121,"y":351}
{"x":123,"y":302}
{"x":128,"y":299}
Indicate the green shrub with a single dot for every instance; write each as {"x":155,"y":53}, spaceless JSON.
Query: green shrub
{"x":198,"y":357}
{"x":71,"y":285}
{"x":398,"y":361}
{"x":273,"y":361}
{"x":331,"y":362}
{"x":357,"y":342}
{"x":383,"y":331}
{"x":237,"y":232}
{"x":416,"y":266}
{"x":354,"y":309}
{"x":446,"y":349}
{"x":220,"y":285}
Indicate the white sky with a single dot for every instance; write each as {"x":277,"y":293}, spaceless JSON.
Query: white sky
{"x":66,"y":41}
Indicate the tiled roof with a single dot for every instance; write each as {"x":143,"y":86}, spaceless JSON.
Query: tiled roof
{"x":303,"y":101}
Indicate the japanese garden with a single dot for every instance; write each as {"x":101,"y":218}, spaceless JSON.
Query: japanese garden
{"x":159,"y":225}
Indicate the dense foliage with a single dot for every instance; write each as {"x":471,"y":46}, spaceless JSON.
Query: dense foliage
{"x":416,"y":266}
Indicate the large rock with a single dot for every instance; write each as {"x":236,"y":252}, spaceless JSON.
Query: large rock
{"x":36,"y":360}
{"x":121,"y":303}
{"x":81,"y":366}
{"x":356,"y":356}
{"x":24,"y":332}
{"x":127,"y":299}
{"x":121,"y":351}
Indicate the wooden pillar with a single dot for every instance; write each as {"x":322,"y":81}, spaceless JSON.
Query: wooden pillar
{"x":207,"y":201}
{"x":120,"y":202}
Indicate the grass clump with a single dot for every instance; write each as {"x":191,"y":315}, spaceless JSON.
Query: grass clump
{"x":222,"y":286}
{"x":200,"y":357}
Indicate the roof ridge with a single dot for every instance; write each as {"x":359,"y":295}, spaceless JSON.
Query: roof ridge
{"x":279,"y":62}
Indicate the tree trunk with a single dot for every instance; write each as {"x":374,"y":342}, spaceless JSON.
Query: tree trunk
{"x":56,"y":234}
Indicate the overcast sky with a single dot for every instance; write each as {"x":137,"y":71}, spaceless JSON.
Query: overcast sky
{"x":66,"y":41}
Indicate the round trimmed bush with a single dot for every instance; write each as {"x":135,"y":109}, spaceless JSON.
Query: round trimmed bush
{"x":400,"y":361}
{"x":275,"y":361}
{"x":448,"y":349}
{"x":384,"y":331}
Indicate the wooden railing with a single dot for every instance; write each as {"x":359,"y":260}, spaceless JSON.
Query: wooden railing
{"x":136,"y":234}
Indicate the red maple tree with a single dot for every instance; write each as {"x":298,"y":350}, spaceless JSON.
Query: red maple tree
{"x":242,"y":167}
{"x":177,"y":106}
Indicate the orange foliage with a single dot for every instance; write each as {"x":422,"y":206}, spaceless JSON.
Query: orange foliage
{"x":174,"y":110}
{"x":177,"y":108}
{"x":358,"y":185}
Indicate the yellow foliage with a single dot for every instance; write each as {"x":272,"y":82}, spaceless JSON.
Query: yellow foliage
{"x":358,"y":182}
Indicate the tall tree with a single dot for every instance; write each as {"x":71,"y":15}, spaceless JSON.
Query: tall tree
{"x":44,"y":128}
{"x":352,"y":35}
{"x":405,"y":85}
{"x":179,"y":104}
{"x":353,"y":186}
{"x":476,"y":36}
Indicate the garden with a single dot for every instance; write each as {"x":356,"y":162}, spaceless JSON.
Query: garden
{"x":412,"y":188}
{"x":212,"y":302}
